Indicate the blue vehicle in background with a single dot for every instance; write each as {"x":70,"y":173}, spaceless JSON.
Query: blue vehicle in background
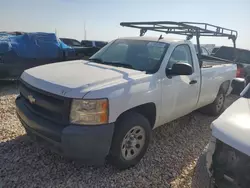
{"x":20,"y":51}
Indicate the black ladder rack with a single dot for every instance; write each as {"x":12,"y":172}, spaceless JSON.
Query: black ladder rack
{"x":189,"y":29}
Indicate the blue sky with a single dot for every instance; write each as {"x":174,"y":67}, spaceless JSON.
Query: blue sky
{"x":102,"y":17}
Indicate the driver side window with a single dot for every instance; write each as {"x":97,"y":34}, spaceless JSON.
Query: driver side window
{"x":182,"y":54}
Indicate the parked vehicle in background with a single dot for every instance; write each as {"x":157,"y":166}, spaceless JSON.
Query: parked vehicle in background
{"x":93,"y":46}
{"x":215,"y":49}
{"x":107,"y":107}
{"x":208,"y":47}
{"x":20,"y":51}
{"x":204,"y":51}
{"x":91,"y":43}
{"x":71,"y":42}
{"x":242,"y":58}
{"x":82,"y":52}
{"x":228,"y":155}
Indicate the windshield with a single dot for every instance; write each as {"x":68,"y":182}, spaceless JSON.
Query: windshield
{"x":75,"y":43}
{"x":71,"y":42}
{"x":135,"y":54}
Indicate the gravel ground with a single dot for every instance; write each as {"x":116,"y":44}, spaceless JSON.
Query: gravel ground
{"x":170,"y":160}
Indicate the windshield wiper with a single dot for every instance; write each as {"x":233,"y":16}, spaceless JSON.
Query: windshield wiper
{"x":113,"y":63}
{"x":118,"y":64}
{"x":96,"y":60}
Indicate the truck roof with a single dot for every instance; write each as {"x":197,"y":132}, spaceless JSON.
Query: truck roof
{"x":155,"y":39}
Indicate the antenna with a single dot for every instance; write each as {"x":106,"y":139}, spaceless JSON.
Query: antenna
{"x":85,"y":32}
{"x":160,"y":37}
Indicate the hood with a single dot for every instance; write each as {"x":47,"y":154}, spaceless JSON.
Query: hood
{"x":74,"y":79}
{"x":233,"y":126}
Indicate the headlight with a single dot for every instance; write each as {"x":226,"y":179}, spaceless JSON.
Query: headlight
{"x":89,"y":112}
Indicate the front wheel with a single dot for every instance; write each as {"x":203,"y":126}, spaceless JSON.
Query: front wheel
{"x":130,"y":141}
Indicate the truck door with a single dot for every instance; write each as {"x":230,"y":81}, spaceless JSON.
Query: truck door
{"x":180,"y":93}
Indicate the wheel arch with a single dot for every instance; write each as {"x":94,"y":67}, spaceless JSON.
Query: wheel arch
{"x":224,"y":87}
{"x":148,"y":110}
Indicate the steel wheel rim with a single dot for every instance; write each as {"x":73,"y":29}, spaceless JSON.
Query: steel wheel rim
{"x":133,"y":142}
{"x":220,"y":101}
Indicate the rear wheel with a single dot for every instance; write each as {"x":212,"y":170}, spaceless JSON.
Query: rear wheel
{"x":130,"y":141}
{"x":217,"y":106}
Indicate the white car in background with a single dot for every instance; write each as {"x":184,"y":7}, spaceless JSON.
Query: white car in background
{"x":228,"y":156}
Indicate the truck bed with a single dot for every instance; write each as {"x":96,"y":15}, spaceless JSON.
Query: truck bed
{"x":214,"y":72}
{"x":210,"y":61}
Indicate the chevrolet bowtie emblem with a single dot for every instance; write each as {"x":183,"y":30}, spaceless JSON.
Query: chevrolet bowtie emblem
{"x":31,"y":99}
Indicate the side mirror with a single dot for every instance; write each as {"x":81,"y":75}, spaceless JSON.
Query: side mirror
{"x":180,"y":68}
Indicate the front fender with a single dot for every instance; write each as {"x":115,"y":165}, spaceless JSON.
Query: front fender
{"x":128,"y":95}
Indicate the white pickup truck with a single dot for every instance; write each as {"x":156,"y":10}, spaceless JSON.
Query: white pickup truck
{"x":106,"y":108}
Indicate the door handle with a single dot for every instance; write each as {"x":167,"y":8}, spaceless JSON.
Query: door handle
{"x":193,"y":82}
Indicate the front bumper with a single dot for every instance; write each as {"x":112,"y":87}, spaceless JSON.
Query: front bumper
{"x":227,"y":166}
{"x":209,"y":155}
{"x":89,"y":144}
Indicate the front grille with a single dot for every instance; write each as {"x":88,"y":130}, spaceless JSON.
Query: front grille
{"x":232,"y":163}
{"x":49,"y":106}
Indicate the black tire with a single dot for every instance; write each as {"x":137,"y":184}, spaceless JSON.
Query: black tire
{"x":127,"y":122}
{"x":212,"y":109}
